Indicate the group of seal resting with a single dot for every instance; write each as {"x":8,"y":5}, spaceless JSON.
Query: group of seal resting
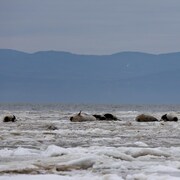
{"x":140,"y":118}
{"x":80,"y":117}
{"x":149,"y":118}
{"x":86,"y":117}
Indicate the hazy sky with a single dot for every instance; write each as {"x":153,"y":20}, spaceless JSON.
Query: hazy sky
{"x":90,"y":26}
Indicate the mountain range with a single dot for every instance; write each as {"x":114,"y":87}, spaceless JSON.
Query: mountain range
{"x":63,"y":77}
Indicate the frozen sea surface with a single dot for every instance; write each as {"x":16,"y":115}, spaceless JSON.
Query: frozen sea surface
{"x":107,"y":150}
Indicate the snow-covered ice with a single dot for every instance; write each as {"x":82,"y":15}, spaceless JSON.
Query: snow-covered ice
{"x":102,"y":150}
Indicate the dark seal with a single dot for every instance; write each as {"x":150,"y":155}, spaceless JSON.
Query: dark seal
{"x":10,"y":118}
{"x":168,"y":117}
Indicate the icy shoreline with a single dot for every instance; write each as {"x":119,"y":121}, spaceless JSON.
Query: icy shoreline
{"x":90,"y":150}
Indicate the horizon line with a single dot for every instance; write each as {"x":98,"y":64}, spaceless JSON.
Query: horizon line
{"x":73,"y":53}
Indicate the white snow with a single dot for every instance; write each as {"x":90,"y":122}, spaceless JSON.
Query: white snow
{"x":61,"y":177}
{"x":102,"y":150}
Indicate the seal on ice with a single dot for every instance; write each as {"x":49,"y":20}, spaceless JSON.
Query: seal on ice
{"x":145,"y":118}
{"x":9,"y":118}
{"x":169,"y":117}
{"x":82,"y":117}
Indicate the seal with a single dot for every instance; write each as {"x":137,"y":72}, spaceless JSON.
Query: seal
{"x":9,"y":118}
{"x":106,"y":116}
{"x":82,"y":117}
{"x":109,"y":116}
{"x":99,"y":117}
{"x":169,"y":117}
{"x":145,"y":118}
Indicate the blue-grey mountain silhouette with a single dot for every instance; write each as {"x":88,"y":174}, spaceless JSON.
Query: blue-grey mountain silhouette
{"x":52,"y":76}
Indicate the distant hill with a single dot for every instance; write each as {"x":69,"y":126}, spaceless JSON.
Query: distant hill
{"x":52,"y":76}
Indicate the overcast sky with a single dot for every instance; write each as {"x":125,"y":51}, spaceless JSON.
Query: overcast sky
{"x":90,"y":26}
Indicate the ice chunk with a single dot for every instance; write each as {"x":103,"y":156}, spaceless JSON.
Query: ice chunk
{"x":119,"y":155}
{"x":139,"y":143}
{"x":24,"y":151}
{"x":145,"y":152}
{"x":140,"y":176}
{"x":82,"y":163}
{"x":5,"y":152}
{"x":17,"y":152}
{"x":54,"y":150}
